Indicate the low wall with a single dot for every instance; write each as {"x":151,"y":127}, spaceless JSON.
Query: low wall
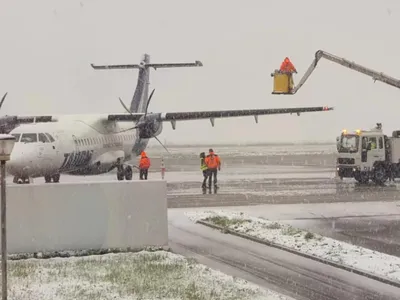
{"x":90,"y":215}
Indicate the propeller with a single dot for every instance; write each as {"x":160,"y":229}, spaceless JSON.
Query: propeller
{"x":144,"y":118}
{"x":4,"y":123}
{"x":2,"y":99}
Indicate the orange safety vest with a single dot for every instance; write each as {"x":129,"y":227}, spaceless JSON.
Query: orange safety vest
{"x":287,"y":66}
{"x":144,"y":161}
{"x":212,"y":161}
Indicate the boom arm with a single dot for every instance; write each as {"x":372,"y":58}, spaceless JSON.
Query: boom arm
{"x":348,"y":64}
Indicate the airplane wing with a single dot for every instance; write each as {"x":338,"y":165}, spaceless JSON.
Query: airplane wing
{"x":198,"y":115}
{"x":8,"y":123}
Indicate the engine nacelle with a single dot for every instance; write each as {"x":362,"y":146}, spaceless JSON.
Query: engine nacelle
{"x":150,"y":128}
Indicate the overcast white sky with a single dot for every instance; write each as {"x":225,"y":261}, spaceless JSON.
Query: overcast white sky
{"x":47,"y":47}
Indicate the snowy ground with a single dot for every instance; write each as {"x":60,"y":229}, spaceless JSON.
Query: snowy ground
{"x":143,"y":275}
{"x":306,"y":242}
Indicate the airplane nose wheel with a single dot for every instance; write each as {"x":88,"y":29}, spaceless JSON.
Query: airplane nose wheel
{"x":21,"y":180}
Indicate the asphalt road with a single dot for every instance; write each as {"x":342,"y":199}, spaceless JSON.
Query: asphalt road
{"x":275,"y":269}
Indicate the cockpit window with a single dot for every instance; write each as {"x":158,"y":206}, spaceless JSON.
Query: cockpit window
{"x":17,"y":136}
{"x":29,"y":138}
{"x":43,"y":138}
{"x":50,"y":137}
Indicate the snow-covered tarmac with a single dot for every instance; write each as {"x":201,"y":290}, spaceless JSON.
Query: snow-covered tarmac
{"x":296,"y":187}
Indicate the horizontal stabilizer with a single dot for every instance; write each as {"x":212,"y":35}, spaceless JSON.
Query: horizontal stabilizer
{"x":176,"y":65}
{"x":109,"y":67}
{"x":197,"y":63}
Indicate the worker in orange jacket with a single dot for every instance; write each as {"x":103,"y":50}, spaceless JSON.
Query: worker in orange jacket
{"x":287,"y":66}
{"x":144,"y":165}
{"x":213,"y":163}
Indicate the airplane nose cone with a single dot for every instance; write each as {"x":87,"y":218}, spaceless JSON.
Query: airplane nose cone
{"x":20,"y":163}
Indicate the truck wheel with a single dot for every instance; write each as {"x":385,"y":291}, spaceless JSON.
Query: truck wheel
{"x":380,"y":175}
{"x":362,"y":177}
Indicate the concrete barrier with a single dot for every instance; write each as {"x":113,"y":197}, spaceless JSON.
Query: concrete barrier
{"x":83,"y":216}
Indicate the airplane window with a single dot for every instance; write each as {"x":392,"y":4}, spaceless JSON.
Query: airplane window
{"x":50,"y":137}
{"x":17,"y":136}
{"x":29,"y":138}
{"x":43,"y":138}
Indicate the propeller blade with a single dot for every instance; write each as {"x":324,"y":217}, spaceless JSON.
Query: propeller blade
{"x":148,"y":102}
{"x":161,"y":144}
{"x":127,"y":129}
{"x":2,"y":99}
{"x":123,"y":104}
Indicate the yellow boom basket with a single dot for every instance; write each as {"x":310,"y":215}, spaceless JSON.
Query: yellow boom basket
{"x":283,"y":83}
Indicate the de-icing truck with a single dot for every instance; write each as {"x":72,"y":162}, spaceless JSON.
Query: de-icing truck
{"x":368,"y":154}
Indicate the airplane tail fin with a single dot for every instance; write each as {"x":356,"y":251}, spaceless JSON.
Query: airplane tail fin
{"x":141,"y":96}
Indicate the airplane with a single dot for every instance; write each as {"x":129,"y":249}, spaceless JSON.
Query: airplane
{"x":90,"y":144}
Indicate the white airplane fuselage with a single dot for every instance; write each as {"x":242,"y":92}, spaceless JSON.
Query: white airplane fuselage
{"x":82,"y":145}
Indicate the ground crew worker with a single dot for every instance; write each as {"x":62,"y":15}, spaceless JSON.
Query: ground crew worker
{"x":204,"y":169}
{"x":287,"y":66}
{"x":213,"y":163}
{"x":144,"y":166}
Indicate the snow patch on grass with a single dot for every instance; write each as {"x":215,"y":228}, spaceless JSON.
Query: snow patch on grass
{"x":323,"y":247}
{"x":142,"y":275}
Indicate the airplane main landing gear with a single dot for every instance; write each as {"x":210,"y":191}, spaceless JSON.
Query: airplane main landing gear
{"x":126,"y":172}
{"x":54,"y":177}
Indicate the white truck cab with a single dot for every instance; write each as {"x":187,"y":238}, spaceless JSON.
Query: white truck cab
{"x":368,"y":154}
